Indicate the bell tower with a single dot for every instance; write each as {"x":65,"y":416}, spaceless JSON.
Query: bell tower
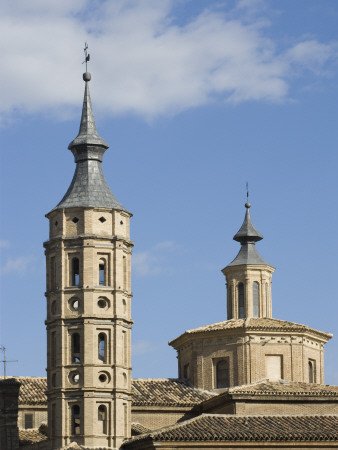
{"x":88,"y":303}
{"x":248,"y":276}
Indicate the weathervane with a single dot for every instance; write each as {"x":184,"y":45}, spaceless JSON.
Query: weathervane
{"x":5,"y":361}
{"x":247,"y":204}
{"x":87,"y":55}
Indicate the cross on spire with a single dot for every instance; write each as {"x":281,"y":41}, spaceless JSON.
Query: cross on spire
{"x":5,"y":361}
{"x":87,"y":55}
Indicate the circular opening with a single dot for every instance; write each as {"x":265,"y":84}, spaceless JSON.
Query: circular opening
{"x":102,"y":303}
{"x":74,"y":304}
{"x":53,"y":308}
{"x":76,"y":377}
{"x":103,"y":377}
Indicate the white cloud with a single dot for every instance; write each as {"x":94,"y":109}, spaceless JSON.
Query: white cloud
{"x":142,"y":347}
{"x":19,"y":265}
{"x":153,"y":261}
{"x":143,"y":62}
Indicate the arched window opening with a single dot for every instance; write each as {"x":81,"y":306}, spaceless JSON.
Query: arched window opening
{"x":255,"y":299}
{"x":76,"y":420}
{"x":229,"y":302}
{"x":102,"y":273}
{"x":266,"y":300}
{"x":76,"y":348}
{"x":102,"y":352}
{"x":222,"y":374}
{"x":52,"y":428}
{"x":52,"y":273}
{"x":75,"y":272}
{"x":241,"y":301}
{"x":102,"y":418}
{"x":124,"y":273}
{"x":312,"y":375}
{"x":53,"y":350}
{"x":186,"y":371}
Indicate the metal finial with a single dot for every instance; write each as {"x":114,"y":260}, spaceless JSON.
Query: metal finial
{"x":87,"y":55}
{"x":5,"y":361}
{"x":247,"y":204}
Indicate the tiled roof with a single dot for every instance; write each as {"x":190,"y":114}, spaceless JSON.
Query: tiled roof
{"x":254,"y":324}
{"x":208,"y":427}
{"x":32,"y":390}
{"x":137,"y":429}
{"x":27,"y":437}
{"x":166,"y":392}
{"x":286,"y":388}
{"x":159,"y":392}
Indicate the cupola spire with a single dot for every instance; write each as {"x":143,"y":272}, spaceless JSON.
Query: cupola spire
{"x":88,"y":134}
{"x":247,"y":235}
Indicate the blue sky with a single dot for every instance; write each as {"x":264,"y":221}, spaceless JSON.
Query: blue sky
{"x":195,"y":98}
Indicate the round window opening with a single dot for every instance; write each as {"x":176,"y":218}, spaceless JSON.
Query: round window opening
{"x":102,"y":303}
{"x":74,"y":304}
{"x":76,"y":377}
{"x":103,"y":377}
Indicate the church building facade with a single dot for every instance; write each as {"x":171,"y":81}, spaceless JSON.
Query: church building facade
{"x":251,"y":381}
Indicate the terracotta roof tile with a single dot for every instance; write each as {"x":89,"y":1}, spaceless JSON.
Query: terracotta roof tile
{"x":216,"y":427}
{"x":137,"y":429}
{"x":254,"y":323}
{"x":27,"y":437}
{"x":285,"y":388}
{"x":160,"y":392}
{"x":166,"y":392}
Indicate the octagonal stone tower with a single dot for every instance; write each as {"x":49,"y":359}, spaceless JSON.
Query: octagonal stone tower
{"x":250,"y":346}
{"x":88,"y":303}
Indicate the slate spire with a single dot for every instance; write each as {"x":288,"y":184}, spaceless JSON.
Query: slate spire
{"x":88,"y":134}
{"x":89,"y":187}
{"x":247,"y":232}
{"x":247,"y":235}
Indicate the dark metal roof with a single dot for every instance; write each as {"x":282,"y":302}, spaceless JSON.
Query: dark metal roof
{"x":247,"y":235}
{"x":247,"y":232}
{"x":248,"y":254}
{"x":89,"y":187}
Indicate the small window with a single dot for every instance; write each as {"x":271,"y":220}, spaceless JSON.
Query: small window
{"x":186,"y":371}
{"x":52,"y":273}
{"x":312,"y":372}
{"x":102,"y":419}
{"x":76,"y":348}
{"x":76,"y":420}
{"x":102,"y":219}
{"x":222,"y":374}
{"x":102,"y":274}
{"x":102,"y":303}
{"x":53,"y":349}
{"x":74,"y":304}
{"x":75,"y":219}
{"x":241,"y":301}
{"x":75,"y":272}
{"x":255,"y":299}
{"x":52,"y":430}
{"x":102,"y":352}
{"x":28,"y":421}
{"x":229,"y":302}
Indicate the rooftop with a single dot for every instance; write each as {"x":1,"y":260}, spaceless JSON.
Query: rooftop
{"x":216,"y":427}
{"x":253,"y":324}
{"x":146,"y":392}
